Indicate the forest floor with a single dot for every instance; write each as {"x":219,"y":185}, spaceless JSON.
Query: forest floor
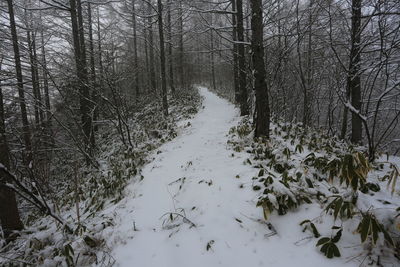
{"x":191,"y":210}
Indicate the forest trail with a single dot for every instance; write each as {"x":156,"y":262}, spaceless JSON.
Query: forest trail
{"x":195,"y":175}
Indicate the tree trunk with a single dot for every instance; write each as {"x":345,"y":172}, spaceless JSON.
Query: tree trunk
{"x":260,"y":85}
{"x":101,"y":68}
{"x":38,"y":93}
{"x":135,"y":51}
{"x":235,"y":52}
{"x":93,"y":84}
{"x":309,"y":100}
{"x":87,"y":105}
{"x":9,"y":215}
{"x":91,"y":48}
{"x":181,"y":60}
{"x":343,"y":129}
{"x":212,"y":54}
{"x":354,"y":69}
{"x":45,"y":83}
{"x":151,"y":51}
{"x":244,"y":107}
{"x":302,"y":76}
{"x":170,"y":58}
{"x":162,"y":59}
{"x":33,"y":78}
{"x":20,"y":85}
{"x":82,"y":74}
{"x":31,"y":40}
{"x":212,"y":61}
{"x":146,"y":53}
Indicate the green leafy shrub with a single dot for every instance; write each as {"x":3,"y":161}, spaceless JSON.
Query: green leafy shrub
{"x":370,"y":227}
{"x":328,"y":245}
{"x":332,"y":174}
{"x":340,"y":207}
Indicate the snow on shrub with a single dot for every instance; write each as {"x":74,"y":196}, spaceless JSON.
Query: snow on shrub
{"x":302,"y":166}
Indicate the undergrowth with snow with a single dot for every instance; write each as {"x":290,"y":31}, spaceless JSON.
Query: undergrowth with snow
{"x":358,"y":201}
{"x":80,"y":203}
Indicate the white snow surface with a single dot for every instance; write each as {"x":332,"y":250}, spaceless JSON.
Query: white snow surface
{"x":223,"y":212}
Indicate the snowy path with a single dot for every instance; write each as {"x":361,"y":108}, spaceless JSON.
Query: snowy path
{"x":222,"y":211}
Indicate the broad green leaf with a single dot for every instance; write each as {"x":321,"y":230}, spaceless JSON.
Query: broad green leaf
{"x":336,"y":251}
{"x":375,"y":230}
{"x":338,"y":206}
{"x":323,"y":240}
{"x":305,"y":221}
{"x":365,"y":228}
{"x":337,"y":236}
{"x":315,"y":231}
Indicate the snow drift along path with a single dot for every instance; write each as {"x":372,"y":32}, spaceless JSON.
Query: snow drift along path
{"x":212,"y":198}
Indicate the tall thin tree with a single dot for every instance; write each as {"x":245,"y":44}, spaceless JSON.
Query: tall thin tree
{"x":170,"y":58}
{"x":45,"y":77}
{"x":260,"y":86}
{"x":135,"y":50}
{"x":235,"y":52}
{"x":212,"y":54}
{"x":244,"y":107}
{"x":181,"y":62}
{"x":162,"y":58}
{"x":82,"y":74}
{"x":150,"y":44}
{"x":9,"y":214}
{"x":20,"y":84}
{"x":93,"y":83}
{"x":354,"y":80}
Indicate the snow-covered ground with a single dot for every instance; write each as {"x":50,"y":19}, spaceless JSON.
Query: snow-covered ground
{"x":200,"y":178}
